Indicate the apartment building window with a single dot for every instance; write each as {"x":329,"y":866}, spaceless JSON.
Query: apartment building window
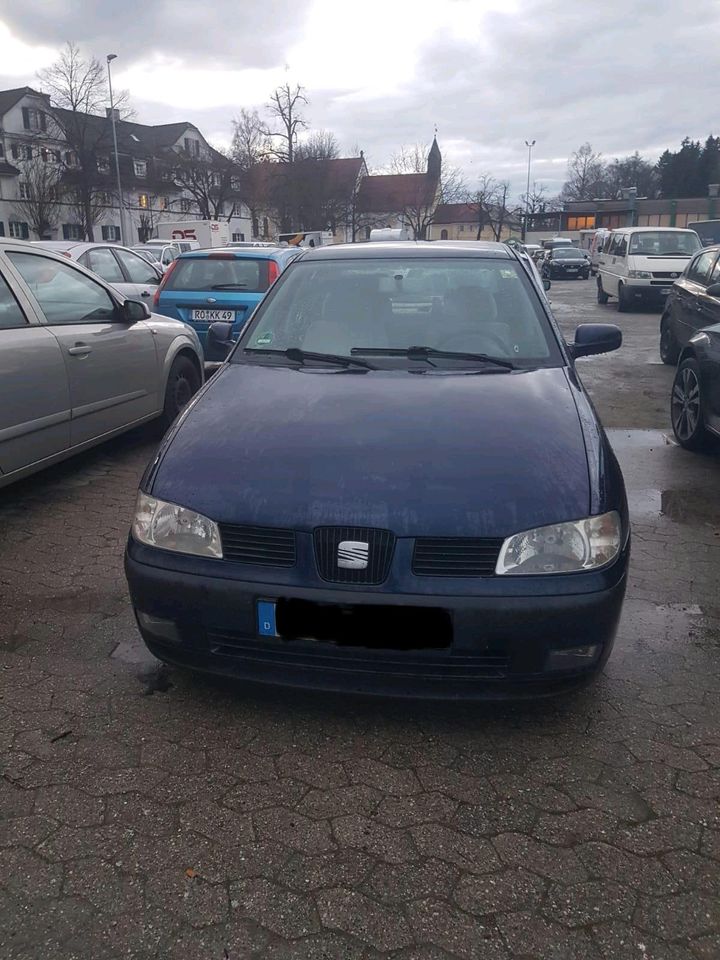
{"x":14,"y":151}
{"x":2,"y":229}
{"x":255,"y":227}
{"x":19,"y":230}
{"x":164,"y":203}
{"x":143,"y":201}
{"x":140,"y":168}
{"x":192,"y":147}
{"x":27,"y":153}
{"x":72,"y":231}
{"x":2,"y":150}
{"x":111,"y":232}
{"x":70,"y":158}
{"x":24,"y":189}
{"x":581,"y":223}
{"x":103,"y":164}
{"x":184,"y":205}
{"x":34,"y":119}
{"x":238,"y":237}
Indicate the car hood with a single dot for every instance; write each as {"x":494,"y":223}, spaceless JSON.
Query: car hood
{"x":434,"y":454}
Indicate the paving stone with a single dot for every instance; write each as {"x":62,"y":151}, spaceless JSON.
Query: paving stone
{"x":26,"y":831}
{"x":375,"y":839}
{"x":659,"y":836}
{"x":356,"y":799}
{"x":319,"y":774}
{"x":379,"y":925}
{"x":274,"y":907}
{"x":248,"y":797}
{"x":297,"y":831}
{"x":340,"y":868}
{"x":421,"y":808}
{"x":141,"y":813}
{"x":505,"y":892}
{"x":587,"y":903}
{"x":684,"y":916}
{"x":386,"y":779}
{"x":27,"y":875}
{"x":70,"y":806}
{"x":472,"y":854}
{"x":217,"y":823}
{"x":621,"y":941}
{"x":192,"y":901}
{"x":555,"y":863}
{"x":483,"y":820}
{"x":645,"y":874}
{"x":625,"y":805}
{"x":435,"y":922}
{"x":402,"y":883}
{"x":528,"y":935}
{"x":107,"y":888}
{"x":577,"y":826}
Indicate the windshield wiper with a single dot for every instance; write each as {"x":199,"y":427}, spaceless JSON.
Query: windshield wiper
{"x":424,"y":353}
{"x":301,"y":356}
{"x":229,"y":286}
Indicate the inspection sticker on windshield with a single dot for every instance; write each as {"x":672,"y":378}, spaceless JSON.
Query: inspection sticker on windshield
{"x":264,"y":338}
{"x":266,"y":618}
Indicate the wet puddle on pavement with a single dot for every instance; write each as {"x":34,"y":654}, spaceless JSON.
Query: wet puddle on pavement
{"x":640,"y":439}
{"x":688,"y":507}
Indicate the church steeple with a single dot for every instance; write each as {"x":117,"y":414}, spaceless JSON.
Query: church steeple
{"x":434,"y":163}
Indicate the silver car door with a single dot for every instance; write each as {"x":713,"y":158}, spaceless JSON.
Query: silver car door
{"x":112,"y":364}
{"x":102,"y":262}
{"x":34,"y":392}
{"x":144,"y":276}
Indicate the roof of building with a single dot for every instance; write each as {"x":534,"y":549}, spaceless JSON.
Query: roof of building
{"x":338,"y":176}
{"x":7,"y":169}
{"x":385,"y":193}
{"x":8,"y":98}
{"x":456,"y":213}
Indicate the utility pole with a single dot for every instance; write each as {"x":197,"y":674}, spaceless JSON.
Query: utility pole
{"x":529,"y":144}
{"x":121,"y":206}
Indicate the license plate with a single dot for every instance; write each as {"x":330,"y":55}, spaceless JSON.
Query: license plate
{"x":266,"y":624}
{"x":209,"y":316}
{"x":572,"y":269}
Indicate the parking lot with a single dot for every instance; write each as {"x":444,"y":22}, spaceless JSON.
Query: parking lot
{"x":148,"y":813}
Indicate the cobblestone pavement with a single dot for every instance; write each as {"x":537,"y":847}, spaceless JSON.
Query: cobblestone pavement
{"x":145,"y":813}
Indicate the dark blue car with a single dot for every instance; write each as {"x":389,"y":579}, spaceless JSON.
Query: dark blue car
{"x":223,"y":283}
{"x":396,"y":484}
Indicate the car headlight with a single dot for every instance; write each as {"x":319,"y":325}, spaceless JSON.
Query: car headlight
{"x":563,"y":547}
{"x":170,"y":527}
{"x":639,"y":274}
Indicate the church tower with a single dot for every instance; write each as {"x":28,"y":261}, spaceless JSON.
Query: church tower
{"x":434,"y":163}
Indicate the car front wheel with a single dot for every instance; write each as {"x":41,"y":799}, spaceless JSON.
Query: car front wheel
{"x":602,"y":297}
{"x":686,"y":407}
{"x":623,"y":304}
{"x":183,"y":383}
{"x":669,"y":349}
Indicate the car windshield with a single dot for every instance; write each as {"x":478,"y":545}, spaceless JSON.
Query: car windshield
{"x":665,"y":243}
{"x":474,"y":305}
{"x":567,"y":253}
{"x":219,"y":272}
{"x":149,"y":253}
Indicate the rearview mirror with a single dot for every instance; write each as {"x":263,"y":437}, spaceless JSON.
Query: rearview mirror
{"x":134,"y":310}
{"x":218,"y":339}
{"x":594,"y":338}
{"x":713,"y":290}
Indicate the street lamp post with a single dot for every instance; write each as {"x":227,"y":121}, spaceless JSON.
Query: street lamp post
{"x":121,"y":207}
{"x":529,"y":144}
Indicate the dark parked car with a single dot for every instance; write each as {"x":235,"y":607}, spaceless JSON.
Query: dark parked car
{"x":396,"y":484}
{"x":693,"y":303}
{"x":565,"y":263}
{"x":695,"y":397}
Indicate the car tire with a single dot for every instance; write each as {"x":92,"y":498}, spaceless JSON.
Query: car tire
{"x":622,"y":304}
{"x":182,"y":384}
{"x":686,"y":412}
{"x":602,"y":297}
{"x":669,"y":347}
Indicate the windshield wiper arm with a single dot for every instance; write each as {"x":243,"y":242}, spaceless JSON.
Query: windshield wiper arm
{"x":424,"y":353}
{"x":229,"y":286}
{"x":300,"y":356}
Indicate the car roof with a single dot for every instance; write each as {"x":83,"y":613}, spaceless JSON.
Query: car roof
{"x":240,"y":253}
{"x":652,"y":230}
{"x":409,"y":249}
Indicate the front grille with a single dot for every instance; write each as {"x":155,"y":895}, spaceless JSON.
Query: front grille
{"x":666,"y":274}
{"x":380,"y":549}
{"x":455,"y":557}
{"x":264,"y":546}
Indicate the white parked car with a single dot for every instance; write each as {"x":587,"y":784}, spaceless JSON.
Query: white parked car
{"x":640,"y":264}
{"x":130,"y":274}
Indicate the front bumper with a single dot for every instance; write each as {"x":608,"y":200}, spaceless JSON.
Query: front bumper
{"x":501,"y":644}
{"x":643,"y":291}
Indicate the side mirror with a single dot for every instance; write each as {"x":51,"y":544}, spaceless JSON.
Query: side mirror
{"x":134,"y":310}
{"x":546,"y":284}
{"x":713,"y":290}
{"x":594,"y":338}
{"x":218,"y":338}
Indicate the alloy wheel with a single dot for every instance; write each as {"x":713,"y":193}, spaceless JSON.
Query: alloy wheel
{"x":686,"y":403}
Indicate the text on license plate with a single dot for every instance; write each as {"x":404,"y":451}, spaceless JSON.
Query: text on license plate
{"x":210,"y":315}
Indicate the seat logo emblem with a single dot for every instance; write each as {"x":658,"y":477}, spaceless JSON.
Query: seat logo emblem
{"x":353,"y":555}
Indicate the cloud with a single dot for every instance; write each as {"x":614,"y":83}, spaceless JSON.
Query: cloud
{"x":489,"y":73}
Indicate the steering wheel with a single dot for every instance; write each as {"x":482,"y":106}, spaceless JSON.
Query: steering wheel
{"x":458,"y":341}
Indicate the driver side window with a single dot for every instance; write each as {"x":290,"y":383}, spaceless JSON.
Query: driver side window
{"x":64,"y":294}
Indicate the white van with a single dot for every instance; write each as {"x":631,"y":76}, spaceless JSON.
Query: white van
{"x":640,"y":264}
{"x":597,"y":242}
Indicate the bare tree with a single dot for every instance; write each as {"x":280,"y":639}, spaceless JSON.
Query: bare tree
{"x":286,"y":106}
{"x":585,"y":175}
{"x":40,"y":180}
{"x":482,"y":201}
{"x":78,"y":92}
{"x":210,"y":181}
{"x":536,"y":200}
{"x":419,"y":199}
{"x":319,"y":145}
{"x":501,"y":214}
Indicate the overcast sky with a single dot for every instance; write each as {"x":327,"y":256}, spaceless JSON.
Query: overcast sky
{"x":490,"y":74}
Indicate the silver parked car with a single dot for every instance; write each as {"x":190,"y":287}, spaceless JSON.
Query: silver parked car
{"x":128,"y":272}
{"x":161,"y":254}
{"x":80,"y":363}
